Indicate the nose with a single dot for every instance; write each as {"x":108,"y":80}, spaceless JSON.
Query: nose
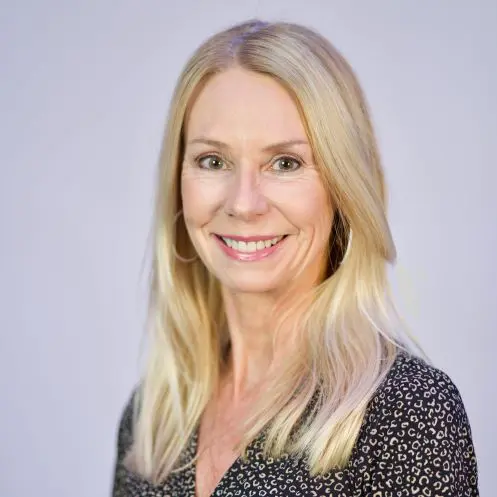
{"x":245,"y":199}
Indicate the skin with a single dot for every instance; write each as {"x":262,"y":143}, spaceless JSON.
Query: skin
{"x":245,"y":188}
{"x":246,"y":185}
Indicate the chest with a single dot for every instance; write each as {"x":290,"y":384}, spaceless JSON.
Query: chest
{"x":216,"y":454}
{"x":255,"y":476}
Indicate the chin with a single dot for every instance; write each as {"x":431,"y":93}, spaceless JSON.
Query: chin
{"x":255,"y":283}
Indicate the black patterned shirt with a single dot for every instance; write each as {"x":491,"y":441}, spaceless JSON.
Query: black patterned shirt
{"x":415,"y":440}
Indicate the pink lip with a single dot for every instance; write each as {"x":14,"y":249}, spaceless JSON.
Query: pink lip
{"x":248,"y":256}
{"x":249,"y":238}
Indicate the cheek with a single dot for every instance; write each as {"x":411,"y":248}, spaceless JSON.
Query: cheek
{"x":201,"y":198}
{"x":305,"y":203}
{"x":319,"y":215}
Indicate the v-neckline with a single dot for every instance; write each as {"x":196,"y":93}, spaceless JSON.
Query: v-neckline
{"x":222,"y":482}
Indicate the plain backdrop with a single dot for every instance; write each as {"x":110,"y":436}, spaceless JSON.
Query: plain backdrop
{"x":84,"y":91}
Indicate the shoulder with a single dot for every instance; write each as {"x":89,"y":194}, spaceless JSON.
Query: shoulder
{"x":124,"y":437}
{"x":416,"y":434}
{"x":125,"y":426}
{"x":413,"y":384}
{"x":416,"y":400}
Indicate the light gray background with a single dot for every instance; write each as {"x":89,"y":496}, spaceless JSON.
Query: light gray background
{"x":84,"y":91}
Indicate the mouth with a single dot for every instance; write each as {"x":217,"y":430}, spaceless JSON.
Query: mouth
{"x":249,"y":248}
{"x":249,"y":245}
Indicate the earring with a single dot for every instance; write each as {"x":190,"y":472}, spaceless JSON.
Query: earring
{"x":347,"y":250}
{"x":175,"y":252}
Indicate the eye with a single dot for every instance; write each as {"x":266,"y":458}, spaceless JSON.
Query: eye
{"x":211,"y":162}
{"x":286,"y":164}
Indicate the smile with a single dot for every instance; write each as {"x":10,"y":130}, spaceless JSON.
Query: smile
{"x":249,"y":249}
{"x":250,"y":246}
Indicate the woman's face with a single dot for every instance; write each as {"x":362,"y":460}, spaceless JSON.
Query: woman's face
{"x":254,"y":204}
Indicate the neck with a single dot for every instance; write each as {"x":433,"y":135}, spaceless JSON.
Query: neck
{"x":256,"y":348}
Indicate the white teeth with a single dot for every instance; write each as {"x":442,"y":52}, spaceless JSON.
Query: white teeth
{"x":248,"y":247}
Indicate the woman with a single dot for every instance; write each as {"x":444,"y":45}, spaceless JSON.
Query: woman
{"x":276,"y":365}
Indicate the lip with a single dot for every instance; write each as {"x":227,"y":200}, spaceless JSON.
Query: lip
{"x":238,"y":238}
{"x":258,"y":255}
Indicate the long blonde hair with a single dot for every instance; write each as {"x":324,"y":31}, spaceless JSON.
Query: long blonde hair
{"x":349,"y":331}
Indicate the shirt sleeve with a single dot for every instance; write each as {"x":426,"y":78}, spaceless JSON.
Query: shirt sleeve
{"x":417,"y":440}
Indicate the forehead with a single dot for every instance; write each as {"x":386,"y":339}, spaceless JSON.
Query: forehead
{"x":242,"y":105}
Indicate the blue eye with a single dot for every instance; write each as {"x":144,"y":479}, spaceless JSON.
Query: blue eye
{"x":286,"y":164}
{"x":210,"y":162}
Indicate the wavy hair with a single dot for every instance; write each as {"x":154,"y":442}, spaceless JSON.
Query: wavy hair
{"x":349,"y":332}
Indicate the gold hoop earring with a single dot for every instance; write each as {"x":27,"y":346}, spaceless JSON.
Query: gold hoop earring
{"x":175,"y":252}
{"x":347,"y":250}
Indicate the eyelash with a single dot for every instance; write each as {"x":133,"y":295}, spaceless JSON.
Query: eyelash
{"x":298,"y":162}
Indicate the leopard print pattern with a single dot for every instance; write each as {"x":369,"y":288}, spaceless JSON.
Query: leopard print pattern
{"x":415,"y":440}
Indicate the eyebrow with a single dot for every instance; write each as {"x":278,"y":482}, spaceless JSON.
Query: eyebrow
{"x":268,"y":148}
